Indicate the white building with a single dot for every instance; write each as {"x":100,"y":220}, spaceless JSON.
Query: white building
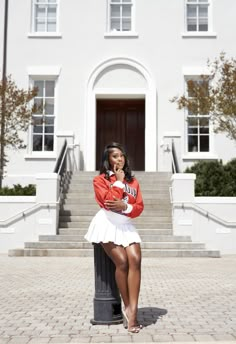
{"x":107,"y":69}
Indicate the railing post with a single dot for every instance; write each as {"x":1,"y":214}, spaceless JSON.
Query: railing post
{"x":107,"y":301}
{"x":183,"y":193}
{"x":47,"y":191}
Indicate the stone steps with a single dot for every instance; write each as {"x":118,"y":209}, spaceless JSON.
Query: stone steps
{"x":80,"y":225}
{"x":78,"y":206}
{"x":89,"y":253}
{"x":87,"y":245}
{"x":144,"y":237}
{"x":82,"y":231}
{"x":140,"y":220}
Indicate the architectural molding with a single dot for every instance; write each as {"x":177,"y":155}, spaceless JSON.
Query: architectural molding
{"x":150,"y":110}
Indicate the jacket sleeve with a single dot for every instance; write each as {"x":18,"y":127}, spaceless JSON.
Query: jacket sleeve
{"x":138,"y":206}
{"x":105,"y":191}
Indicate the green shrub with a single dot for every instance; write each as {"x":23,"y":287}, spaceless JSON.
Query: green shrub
{"x":214,"y":179}
{"x":18,"y":190}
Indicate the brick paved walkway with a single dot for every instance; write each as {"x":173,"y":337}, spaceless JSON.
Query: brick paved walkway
{"x":49,"y":300}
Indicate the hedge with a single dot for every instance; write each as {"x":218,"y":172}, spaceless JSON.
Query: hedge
{"x":18,"y":190}
{"x":213,"y":178}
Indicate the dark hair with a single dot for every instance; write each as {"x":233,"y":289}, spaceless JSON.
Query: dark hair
{"x":105,"y":165}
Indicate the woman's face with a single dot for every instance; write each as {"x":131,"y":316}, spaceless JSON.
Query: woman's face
{"x":116,"y":159}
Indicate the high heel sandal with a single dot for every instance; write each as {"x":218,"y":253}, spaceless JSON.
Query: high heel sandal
{"x":132,"y":329}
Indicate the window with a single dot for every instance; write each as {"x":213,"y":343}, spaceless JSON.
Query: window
{"x":197,"y":15}
{"x":198,"y":134}
{"x":43,"y":120}
{"x":120,"y":15}
{"x":45,"y":15}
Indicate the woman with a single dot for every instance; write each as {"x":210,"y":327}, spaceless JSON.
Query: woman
{"x":118,"y":194}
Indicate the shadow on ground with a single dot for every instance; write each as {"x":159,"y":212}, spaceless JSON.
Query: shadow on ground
{"x":150,"y":315}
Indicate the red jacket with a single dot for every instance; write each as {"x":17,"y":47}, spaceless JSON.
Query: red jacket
{"x":131,"y":194}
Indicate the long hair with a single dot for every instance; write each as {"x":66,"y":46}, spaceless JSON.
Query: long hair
{"x":105,"y":165}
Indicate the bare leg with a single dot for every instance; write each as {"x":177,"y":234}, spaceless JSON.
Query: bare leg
{"x":134,"y":279}
{"x":119,"y":257}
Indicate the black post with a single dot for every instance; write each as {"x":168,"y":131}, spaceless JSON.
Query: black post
{"x":4,"y":67}
{"x":107,"y":301}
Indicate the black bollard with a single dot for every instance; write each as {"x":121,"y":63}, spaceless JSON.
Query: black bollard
{"x":107,"y":301}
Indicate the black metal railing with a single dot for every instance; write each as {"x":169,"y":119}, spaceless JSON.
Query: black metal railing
{"x":175,"y":165}
{"x":61,"y":161}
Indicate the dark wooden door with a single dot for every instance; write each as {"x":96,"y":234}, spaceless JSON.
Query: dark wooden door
{"x":122,"y":121}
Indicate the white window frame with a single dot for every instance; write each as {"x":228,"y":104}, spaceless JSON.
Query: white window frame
{"x":209,"y":33}
{"x":43,"y":154}
{"x":198,"y":154}
{"x":113,"y":33}
{"x":35,"y":33}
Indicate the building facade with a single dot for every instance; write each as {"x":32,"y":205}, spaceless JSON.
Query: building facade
{"x":106,"y":71}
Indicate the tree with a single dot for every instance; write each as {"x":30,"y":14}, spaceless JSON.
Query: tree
{"x":15,"y":116}
{"x":214,"y":95}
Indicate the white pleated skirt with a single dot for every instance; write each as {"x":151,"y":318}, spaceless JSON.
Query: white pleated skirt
{"x":107,"y":226}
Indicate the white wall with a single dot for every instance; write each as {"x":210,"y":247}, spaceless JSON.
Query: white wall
{"x":211,"y":220}
{"x":82,"y":46}
{"x":24,"y":218}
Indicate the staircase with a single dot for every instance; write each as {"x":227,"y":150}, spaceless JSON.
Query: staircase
{"x":154,"y":225}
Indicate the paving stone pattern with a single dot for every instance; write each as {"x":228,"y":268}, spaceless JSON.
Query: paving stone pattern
{"x":50,"y":300}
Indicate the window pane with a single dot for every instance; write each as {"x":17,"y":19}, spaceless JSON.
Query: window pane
{"x":192,"y":28}
{"x":51,"y":26}
{"x":115,"y":0}
{"x":37,"y":120}
{"x":193,"y":121}
{"x":203,"y":25}
{"x":40,"y":26}
{"x":203,"y":11}
{"x":37,"y":143}
{"x":204,"y":143}
{"x":38,"y":129}
{"x":192,"y":130}
{"x":127,"y":1}
{"x":49,"y":129}
{"x":126,"y":25}
{"x":49,"y":106}
{"x":52,"y":10}
{"x":192,"y":125}
{"x":126,"y":11}
{"x":191,"y":11}
{"x":48,"y":146}
{"x":52,"y":1}
{"x":49,"y":120}
{"x":39,"y":85}
{"x":38,"y":102}
{"x":40,"y":11}
{"x":192,"y":24}
{"x":192,"y":143}
{"x":204,"y":125}
{"x":115,"y":24}
{"x":115,"y":11}
{"x":49,"y":88}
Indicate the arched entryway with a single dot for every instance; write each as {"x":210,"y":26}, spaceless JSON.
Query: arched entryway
{"x":126,"y":85}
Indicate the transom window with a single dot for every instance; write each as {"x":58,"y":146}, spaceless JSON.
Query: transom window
{"x":45,"y":15}
{"x":197,"y":15}
{"x":198,"y":134}
{"x":120,"y":18}
{"x":43,"y":120}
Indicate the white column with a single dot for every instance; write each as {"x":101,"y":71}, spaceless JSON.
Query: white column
{"x":182,"y":194}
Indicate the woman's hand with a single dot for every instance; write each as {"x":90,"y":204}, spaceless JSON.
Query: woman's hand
{"x":119,"y":173}
{"x":116,"y":205}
